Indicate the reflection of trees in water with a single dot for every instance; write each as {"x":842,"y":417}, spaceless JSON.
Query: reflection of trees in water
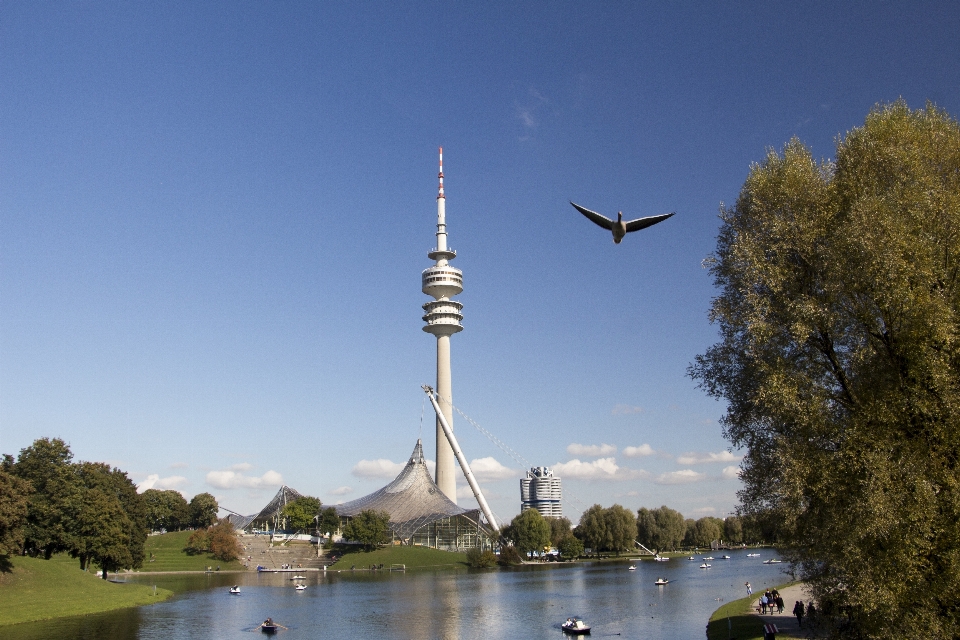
{"x":116,"y":625}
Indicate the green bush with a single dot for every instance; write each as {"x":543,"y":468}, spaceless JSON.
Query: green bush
{"x":481,"y":559}
{"x":509,"y":556}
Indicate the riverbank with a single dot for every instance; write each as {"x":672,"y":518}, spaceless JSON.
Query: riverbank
{"x":739,"y":619}
{"x":37,"y":589}
{"x":165,"y":553}
{"x":411,"y":557}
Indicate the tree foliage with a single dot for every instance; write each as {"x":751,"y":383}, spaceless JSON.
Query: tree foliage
{"x":839,"y":360}
{"x":369,"y":528}
{"x":607,"y":529}
{"x":14,"y":495}
{"x":560,"y":528}
{"x":481,"y":559}
{"x":570,"y":547}
{"x":203,"y":510}
{"x":301,"y":512}
{"x":660,"y":529}
{"x":329,"y":522}
{"x":166,"y":510}
{"x":529,"y":531}
{"x":47,"y":466}
{"x":224,"y":542}
{"x":592,"y":529}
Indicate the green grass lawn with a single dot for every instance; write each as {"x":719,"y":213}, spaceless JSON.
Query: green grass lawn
{"x":744,"y":623}
{"x":39,"y":589}
{"x":413,"y":557}
{"x":168,"y":555}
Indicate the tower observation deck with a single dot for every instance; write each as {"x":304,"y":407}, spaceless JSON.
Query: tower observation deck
{"x":443,"y":316}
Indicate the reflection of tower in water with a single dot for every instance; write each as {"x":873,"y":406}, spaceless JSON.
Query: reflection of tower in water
{"x":442,"y":315}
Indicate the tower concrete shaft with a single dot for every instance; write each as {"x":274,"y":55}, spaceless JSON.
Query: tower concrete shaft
{"x":443,"y":316}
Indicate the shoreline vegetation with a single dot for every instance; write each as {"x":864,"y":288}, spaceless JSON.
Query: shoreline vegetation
{"x":35,"y":589}
{"x":744,"y":622}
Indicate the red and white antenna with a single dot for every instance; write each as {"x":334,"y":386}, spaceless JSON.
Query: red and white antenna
{"x":440,"y":192}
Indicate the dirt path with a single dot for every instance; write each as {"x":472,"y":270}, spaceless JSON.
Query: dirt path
{"x":786,"y":622}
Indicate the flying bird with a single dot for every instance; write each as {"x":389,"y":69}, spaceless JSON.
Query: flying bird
{"x":618,"y":226}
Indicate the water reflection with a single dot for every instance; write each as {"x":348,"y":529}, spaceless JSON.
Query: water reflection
{"x":524,"y":602}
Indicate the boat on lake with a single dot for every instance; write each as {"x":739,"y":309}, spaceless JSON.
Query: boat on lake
{"x":269,"y":626}
{"x":660,"y":558}
{"x":299,"y":578}
{"x":772,"y":561}
{"x":708,"y":557}
{"x":705,"y":566}
{"x":575,"y":626}
{"x":632,"y":567}
{"x":753,"y":555}
{"x":692,"y":558}
{"x":661,"y":581}
{"x":300,"y":587}
{"x":724,"y":557}
{"x":235,"y":590}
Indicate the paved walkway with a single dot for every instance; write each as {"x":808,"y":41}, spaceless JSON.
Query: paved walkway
{"x":786,"y":622}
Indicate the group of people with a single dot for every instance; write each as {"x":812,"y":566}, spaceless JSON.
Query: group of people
{"x":769,"y":600}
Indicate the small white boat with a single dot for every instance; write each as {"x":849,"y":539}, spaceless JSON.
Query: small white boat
{"x":632,"y":567}
{"x":301,"y":587}
{"x":753,"y":555}
{"x":705,"y":566}
{"x":299,"y":578}
{"x":575,"y":626}
{"x":692,"y":558}
{"x":661,"y":581}
{"x":235,"y":590}
{"x":661,"y":559}
{"x":724,"y":557}
{"x":708,"y":557}
{"x":772,"y":561}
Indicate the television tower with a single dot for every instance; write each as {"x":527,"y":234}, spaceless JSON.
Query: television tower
{"x":442,"y":315}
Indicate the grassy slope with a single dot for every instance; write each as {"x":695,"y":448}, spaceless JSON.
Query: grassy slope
{"x":168,"y":555}
{"x":413,"y":557}
{"x":39,"y":589}
{"x":746,"y":625}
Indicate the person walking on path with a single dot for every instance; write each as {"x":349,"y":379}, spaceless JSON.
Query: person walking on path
{"x":798,"y":611}
{"x":763,"y":603}
{"x":779,"y":604}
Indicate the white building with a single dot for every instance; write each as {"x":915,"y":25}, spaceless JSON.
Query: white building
{"x":540,"y":490}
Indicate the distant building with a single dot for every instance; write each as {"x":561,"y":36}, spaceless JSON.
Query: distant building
{"x":540,"y":490}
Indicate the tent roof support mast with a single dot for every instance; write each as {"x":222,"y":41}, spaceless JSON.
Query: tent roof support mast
{"x":467,"y":473}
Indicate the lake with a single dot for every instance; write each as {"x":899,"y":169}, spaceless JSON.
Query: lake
{"x":524,"y":602}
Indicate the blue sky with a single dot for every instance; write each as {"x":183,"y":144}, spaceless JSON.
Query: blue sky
{"x":213,"y":218}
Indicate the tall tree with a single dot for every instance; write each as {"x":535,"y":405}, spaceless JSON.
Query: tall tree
{"x":530,"y":531}
{"x":369,"y":528}
{"x":166,"y":510}
{"x":560,"y":528}
{"x":14,"y":499}
{"x":592,"y":529}
{"x":57,"y":494}
{"x":111,"y":524}
{"x":839,"y":360}
{"x":302,"y":513}
{"x":223,"y":541}
{"x":707,"y":530}
{"x":329,"y":521}
{"x":733,"y":530}
{"x":660,"y":529}
{"x":203,"y":510}
{"x":621,"y":528}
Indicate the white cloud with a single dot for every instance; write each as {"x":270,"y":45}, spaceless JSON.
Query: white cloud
{"x":591,"y":450}
{"x":154,"y":481}
{"x":601,"y":469}
{"x":241,"y":466}
{"x":638,"y":452}
{"x":229,"y":479}
{"x":179,"y":465}
{"x":379,"y":468}
{"x":341,"y":491}
{"x":465,"y":492}
{"x":684,"y":476}
{"x":490,"y":470}
{"x":625,"y":409}
{"x":730,"y":472}
{"x":694,"y":457}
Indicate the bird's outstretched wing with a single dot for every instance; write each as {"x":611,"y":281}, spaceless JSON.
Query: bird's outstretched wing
{"x":643,"y":223}
{"x":595,"y":217}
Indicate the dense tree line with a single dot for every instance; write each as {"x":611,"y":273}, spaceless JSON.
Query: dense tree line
{"x":50,"y":504}
{"x":839,"y":363}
